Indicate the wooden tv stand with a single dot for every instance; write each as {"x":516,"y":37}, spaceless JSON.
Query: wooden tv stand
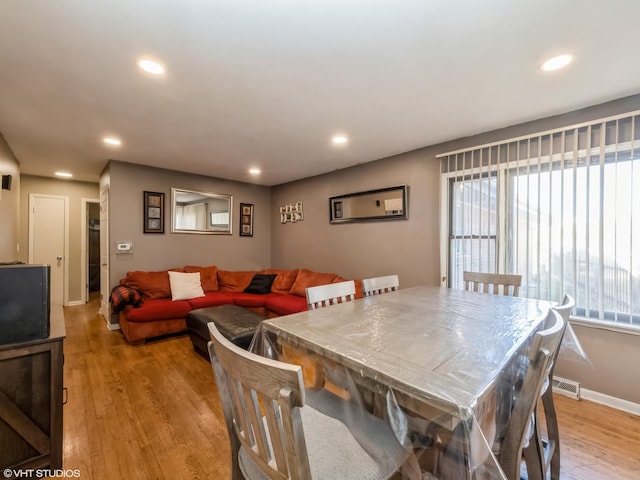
{"x":31,"y":400}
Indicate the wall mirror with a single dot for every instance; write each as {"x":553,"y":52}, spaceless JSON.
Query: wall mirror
{"x":200,"y":212}
{"x":382,"y":204}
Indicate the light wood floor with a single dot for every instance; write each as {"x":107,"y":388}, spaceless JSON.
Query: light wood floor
{"x":152,"y":412}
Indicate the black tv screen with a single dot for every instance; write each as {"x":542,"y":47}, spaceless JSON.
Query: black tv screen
{"x":24,"y":302}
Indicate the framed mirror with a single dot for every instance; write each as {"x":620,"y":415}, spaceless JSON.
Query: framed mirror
{"x":373,"y":205}
{"x":200,"y":212}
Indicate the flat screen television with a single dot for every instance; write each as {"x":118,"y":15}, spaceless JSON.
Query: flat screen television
{"x":24,"y":302}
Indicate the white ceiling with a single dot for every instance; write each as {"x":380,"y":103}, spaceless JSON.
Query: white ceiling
{"x":266,"y":83}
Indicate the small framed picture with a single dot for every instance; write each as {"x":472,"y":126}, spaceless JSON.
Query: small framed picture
{"x":246,"y":220}
{"x":153,"y":213}
{"x":153,"y":225}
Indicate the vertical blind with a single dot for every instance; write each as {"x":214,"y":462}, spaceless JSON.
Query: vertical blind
{"x":192,"y":216}
{"x":557,"y":208}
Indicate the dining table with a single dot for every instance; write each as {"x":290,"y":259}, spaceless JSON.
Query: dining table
{"x":440,"y":366}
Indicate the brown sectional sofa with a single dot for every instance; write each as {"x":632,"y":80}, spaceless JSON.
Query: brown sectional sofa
{"x":157,"y":314}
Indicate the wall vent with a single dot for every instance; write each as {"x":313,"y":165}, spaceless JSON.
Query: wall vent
{"x":565,"y":387}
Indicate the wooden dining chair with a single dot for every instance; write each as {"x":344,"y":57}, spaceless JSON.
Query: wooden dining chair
{"x":330,"y":294}
{"x":547,"y":450}
{"x":540,"y":361}
{"x":378,"y":285}
{"x":497,"y":283}
{"x":273,"y":434}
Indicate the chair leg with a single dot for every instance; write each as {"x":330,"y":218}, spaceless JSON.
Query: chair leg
{"x":534,"y":454}
{"x":552,"y":432}
{"x":234,"y":443}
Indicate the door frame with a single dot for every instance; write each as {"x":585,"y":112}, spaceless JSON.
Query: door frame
{"x":105,"y":282}
{"x":65,"y":268}
{"x":84,"y":248}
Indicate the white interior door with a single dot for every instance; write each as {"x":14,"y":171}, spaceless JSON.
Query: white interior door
{"x":48,"y":240}
{"x":105,"y":288}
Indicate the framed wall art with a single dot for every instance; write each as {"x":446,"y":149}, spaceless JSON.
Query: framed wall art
{"x":246,"y":220}
{"x":153,"y":212}
{"x":291,"y":213}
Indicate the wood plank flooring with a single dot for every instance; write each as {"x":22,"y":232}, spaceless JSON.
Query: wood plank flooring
{"x":152,"y":412}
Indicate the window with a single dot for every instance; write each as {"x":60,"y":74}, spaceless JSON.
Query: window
{"x":472,"y":242}
{"x":192,"y":216}
{"x":557,"y":208}
{"x":220,"y":220}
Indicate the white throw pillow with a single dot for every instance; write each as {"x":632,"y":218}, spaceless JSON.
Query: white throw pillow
{"x":185,"y":285}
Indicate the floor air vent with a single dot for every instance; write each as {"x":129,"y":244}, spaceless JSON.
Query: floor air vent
{"x":566,"y":387}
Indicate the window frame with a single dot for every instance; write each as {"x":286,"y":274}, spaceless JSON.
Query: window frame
{"x":452,"y":181}
{"x":503,"y":171}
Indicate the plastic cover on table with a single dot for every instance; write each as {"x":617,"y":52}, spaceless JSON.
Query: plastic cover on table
{"x":416,"y":445}
{"x":455,"y":437}
{"x":571,"y":349}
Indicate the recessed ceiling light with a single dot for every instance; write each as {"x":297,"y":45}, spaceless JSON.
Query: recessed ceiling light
{"x":151,"y":66}
{"x":255,"y":171}
{"x":112,"y":141}
{"x":557,"y":62}
{"x":339,"y":139}
{"x":64,"y":174}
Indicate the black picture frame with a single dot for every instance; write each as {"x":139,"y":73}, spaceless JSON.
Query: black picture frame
{"x":153,"y":214}
{"x":246,"y":220}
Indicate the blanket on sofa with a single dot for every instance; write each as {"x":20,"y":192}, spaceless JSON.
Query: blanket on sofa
{"x":121,"y":296}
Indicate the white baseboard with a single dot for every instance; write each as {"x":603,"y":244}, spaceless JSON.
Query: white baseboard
{"x":609,"y":401}
{"x":75,"y":303}
{"x":110,"y":326}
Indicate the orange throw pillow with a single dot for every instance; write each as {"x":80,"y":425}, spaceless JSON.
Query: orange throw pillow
{"x":208,"y":276}
{"x":283,"y":281}
{"x":307,"y":278}
{"x":231,"y":281}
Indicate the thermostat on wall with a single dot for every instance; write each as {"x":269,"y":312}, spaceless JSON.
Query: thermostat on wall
{"x":124,"y":247}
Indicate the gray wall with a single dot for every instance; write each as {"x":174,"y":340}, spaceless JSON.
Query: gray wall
{"x":9,"y":204}
{"x":75,"y":191}
{"x":357,"y":250}
{"x":612,"y":367}
{"x":411,"y":248}
{"x":153,"y":251}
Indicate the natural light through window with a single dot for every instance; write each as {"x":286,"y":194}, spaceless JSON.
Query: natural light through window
{"x":556,"y":208}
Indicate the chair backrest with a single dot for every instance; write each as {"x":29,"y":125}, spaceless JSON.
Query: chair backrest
{"x":325,"y":295}
{"x":497,"y":283}
{"x":564,"y":309}
{"x":543,"y":457}
{"x":378,"y":285}
{"x":252,"y":387}
{"x":543,"y":348}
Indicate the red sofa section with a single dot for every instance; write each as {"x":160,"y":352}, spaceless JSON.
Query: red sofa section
{"x":159,"y":315}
